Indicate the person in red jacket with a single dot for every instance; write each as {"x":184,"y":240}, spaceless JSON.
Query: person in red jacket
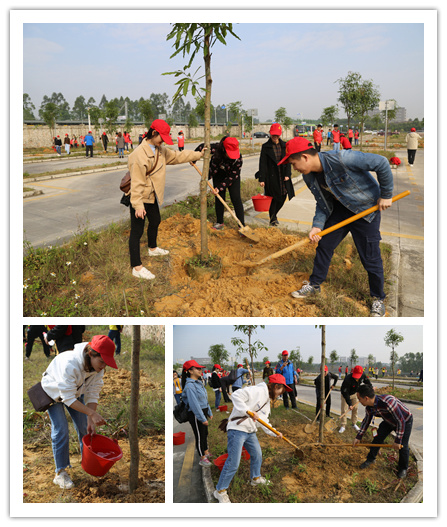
{"x":344,"y":142}
{"x":318,"y":137}
{"x":336,"y":137}
{"x":350,"y":135}
{"x":356,"y":137}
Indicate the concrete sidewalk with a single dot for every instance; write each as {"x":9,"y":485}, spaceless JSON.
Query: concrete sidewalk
{"x":402,"y":226}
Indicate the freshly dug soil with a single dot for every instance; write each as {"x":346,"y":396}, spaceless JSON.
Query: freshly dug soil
{"x":325,"y":475}
{"x":263,"y":291}
{"x":38,"y":463}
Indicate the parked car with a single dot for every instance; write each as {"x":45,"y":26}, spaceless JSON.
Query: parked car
{"x":260,"y":134}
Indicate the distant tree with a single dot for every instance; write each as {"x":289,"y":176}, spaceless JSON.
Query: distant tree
{"x":147,"y":112}
{"x":348,"y":93}
{"x":353,"y":357}
{"x":295,"y":357}
{"x":178,"y":110}
{"x":199,"y":109}
{"x":28,"y":108}
{"x":110,"y":114}
{"x":280,"y":115}
{"x":95,"y":115}
{"x":246,"y":345}
{"x":218,"y":354}
{"x":160,"y":104}
{"x":235,"y":112}
{"x":333,"y":356}
{"x":392,"y":340}
{"x":310,"y":361}
{"x":329,"y":115}
{"x":370,"y":360}
{"x":49,"y":114}
{"x":102,"y":102}
{"x":193,"y":122}
{"x":411,"y":361}
{"x":79,"y":110}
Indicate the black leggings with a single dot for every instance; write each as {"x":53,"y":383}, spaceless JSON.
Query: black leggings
{"x":235,"y":196}
{"x":275,"y":206}
{"x":200,"y":432}
{"x":137,"y":229}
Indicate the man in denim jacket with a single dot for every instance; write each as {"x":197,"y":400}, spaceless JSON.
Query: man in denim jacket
{"x":343,"y":186}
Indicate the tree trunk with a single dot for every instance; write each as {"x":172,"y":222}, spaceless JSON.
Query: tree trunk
{"x":322,"y":394}
{"x":206,"y":159}
{"x":133,"y":418}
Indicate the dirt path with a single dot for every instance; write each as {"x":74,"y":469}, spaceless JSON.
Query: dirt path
{"x":38,"y":463}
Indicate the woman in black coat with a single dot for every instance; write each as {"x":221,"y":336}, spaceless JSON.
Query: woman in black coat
{"x":275,"y":179}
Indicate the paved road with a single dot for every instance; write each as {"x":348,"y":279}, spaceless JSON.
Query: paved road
{"x":73,"y":203}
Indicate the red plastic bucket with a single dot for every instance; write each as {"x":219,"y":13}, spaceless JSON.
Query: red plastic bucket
{"x":179,"y":438}
{"x":220,"y":461}
{"x":261,"y":203}
{"x":223,"y":408}
{"x":98,"y":459}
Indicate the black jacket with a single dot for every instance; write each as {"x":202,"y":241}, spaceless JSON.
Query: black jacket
{"x":270,"y":173}
{"x":350,"y":386}
{"x":327,"y":379}
{"x":65,"y":337}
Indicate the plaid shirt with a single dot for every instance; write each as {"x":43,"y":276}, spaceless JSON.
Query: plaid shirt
{"x":390,"y":410}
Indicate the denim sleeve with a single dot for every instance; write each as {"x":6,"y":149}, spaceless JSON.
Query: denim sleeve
{"x":193,"y":404}
{"x":381,"y":166}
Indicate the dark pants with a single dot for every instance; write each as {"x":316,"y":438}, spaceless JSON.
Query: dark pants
{"x":328,"y":406}
{"x":235,"y":196}
{"x":275,"y":207}
{"x":200,"y":432}
{"x":286,"y":395}
{"x":35,"y":332}
{"x":411,"y":156}
{"x":88,"y":150}
{"x":115,"y":335}
{"x":137,"y":229}
{"x":367,"y":241}
{"x":225,"y":392}
{"x":317,"y":147}
{"x":383,"y":432}
{"x":234,"y":388}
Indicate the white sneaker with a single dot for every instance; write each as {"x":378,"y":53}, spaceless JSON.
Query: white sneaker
{"x":260,"y":481}
{"x":356,"y":428}
{"x":158,"y":252}
{"x":205,"y":462}
{"x":221,"y":497}
{"x":63,"y":480}
{"x":143,"y":273}
{"x":342,"y":429}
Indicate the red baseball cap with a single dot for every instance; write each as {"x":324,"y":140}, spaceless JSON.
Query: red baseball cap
{"x":285,"y":352}
{"x":326,"y":368}
{"x":163,"y":128}
{"x":231,"y":145}
{"x":103,"y":345}
{"x":217,"y":367}
{"x":413,"y":130}
{"x":267,"y":362}
{"x":295,"y":145}
{"x":275,"y":129}
{"x":357,"y":372}
{"x":277,"y":378}
{"x":191,"y":363}
{"x":240,"y":365}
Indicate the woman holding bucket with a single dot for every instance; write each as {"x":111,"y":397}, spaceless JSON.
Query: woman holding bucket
{"x":241,"y":431}
{"x":195,"y":397}
{"x":74,"y":380}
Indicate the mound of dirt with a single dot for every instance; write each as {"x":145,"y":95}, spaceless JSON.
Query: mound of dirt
{"x":38,"y":463}
{"x":261,"y":291}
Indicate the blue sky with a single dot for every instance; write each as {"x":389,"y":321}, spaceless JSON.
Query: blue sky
{"x":195,"y":341}
{"x":294,"y":65}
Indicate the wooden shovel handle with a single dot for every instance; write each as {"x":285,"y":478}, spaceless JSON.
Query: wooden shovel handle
{"x":379,"y":445}
{"x":263,"y":423}
{"x":319,"y":410}
{"x":224,"y":203}
{"x":348,"y":410}
{"x":330,"y":229}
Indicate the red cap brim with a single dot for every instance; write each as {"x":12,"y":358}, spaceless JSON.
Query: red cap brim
{"x":167,"y":139}
{"x":284,"y":160}
{"x":110,"y":361}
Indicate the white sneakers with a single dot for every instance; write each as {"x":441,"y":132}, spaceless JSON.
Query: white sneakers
{"x":205,"y":462}
{"x":342,"y":429}
{"x":63,"y":480}
{"x":222,"y":497}
{"x":143,"y":273}
{"x":356,"y":428}
{"x":259,"y":481}
{"x":157,"y":252}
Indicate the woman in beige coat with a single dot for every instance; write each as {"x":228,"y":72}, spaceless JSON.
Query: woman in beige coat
{"x":412,"y":145}
{"x":147,"y":165}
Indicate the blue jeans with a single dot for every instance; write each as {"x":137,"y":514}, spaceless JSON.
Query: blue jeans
{"x":115,"y":335}
{"x":60,"y":434}
{"x":336,"y":146}
{"x":178,"y":398}
{"x":121,"y":151}
{"x":236,"y":440}
{"x":218,"y":395}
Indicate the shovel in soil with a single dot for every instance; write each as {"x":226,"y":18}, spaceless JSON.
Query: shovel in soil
{"x":298,"y":452}
{"x":310,"y":427}
{"x":332,"y":425}
{"x":322,"y":233}
{"x":344,"y":445}
{"x":246,"y":231}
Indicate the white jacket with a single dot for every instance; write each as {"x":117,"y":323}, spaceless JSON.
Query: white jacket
{"x":412,"y":140}
{"x":65,"y":379}
{"x":250,"y":398}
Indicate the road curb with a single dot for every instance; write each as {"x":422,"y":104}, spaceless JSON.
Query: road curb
{"x":208,"y":485}
{"x":80,"y":173}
